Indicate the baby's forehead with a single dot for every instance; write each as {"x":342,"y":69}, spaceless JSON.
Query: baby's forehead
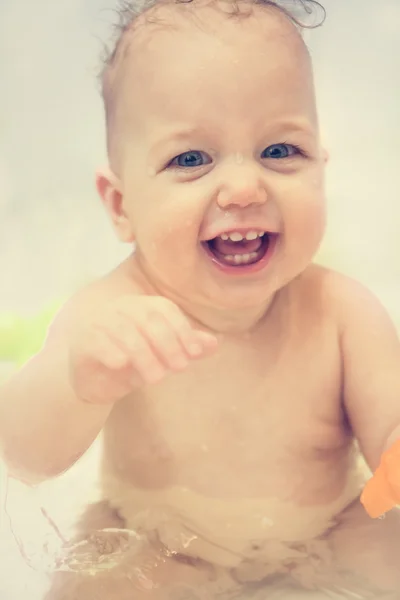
{"x":214,"y":17}
{"x":167,"y":43}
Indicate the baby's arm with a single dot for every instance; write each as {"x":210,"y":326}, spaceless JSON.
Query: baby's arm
{"x":371,"y":387}
{"x":106,"y":343}
{"x":44,"y":426}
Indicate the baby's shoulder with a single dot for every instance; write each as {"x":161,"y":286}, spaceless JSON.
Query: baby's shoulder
{"x":94,"y":297}
{"x":338,"y":296}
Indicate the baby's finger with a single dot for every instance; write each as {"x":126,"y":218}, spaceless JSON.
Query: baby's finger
{"x":130,"y":340}
{"x":108,"y":353}
{"x":193,"y":341}
{"x":164,"y":340}
{"x":208,"y":340}
{"x":145,"y":361}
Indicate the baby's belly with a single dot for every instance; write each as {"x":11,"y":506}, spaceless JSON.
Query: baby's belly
{"x":226,"y":532}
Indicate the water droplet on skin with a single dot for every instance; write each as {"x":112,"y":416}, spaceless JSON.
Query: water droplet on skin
{"x":143,"y":581}
{"x":239,"y":158}
{"x":266,"y":522}
{"x":187,"y":539}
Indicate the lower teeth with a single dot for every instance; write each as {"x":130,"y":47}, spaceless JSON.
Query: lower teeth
{"x":240,"y":259}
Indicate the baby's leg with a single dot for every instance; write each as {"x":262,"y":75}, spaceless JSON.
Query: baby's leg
{"x":365,"y":564}
{"x":135,"y":568}
{"x":357,"y":559}
{"x":366,"y":552}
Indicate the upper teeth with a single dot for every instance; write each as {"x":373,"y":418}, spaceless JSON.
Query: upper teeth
{"x":235,"y":236}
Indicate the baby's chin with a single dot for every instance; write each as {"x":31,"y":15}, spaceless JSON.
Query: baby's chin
{"x":201,"y":281}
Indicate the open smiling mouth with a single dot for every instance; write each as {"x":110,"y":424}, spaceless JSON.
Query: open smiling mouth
{"x":237,"y":249}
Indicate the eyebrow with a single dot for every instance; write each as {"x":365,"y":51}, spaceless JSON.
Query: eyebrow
{"x":179,"y":135}
{"x":295,"y":125}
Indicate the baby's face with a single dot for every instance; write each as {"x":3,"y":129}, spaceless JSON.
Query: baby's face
{"x":219,"y":134}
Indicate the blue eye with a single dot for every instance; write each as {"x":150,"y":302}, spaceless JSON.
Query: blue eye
{"x":279,"y":151}
{"x":193,"y":158}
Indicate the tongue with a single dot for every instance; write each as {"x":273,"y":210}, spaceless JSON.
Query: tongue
{"x":229,"y":247}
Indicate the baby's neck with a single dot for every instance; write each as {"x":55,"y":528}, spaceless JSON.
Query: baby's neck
{"x":217,"y":320}
{"x":233,"y":322}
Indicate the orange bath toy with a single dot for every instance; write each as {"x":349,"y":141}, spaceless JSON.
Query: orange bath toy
{"x":382,"y":492}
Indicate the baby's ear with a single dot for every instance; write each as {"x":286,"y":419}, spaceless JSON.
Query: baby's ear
{"x":109,"y":188}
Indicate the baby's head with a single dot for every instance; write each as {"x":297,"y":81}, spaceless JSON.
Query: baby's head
{"x":212,"y":135}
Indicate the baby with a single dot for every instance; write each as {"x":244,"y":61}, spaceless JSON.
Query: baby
{"x":231,"y":377}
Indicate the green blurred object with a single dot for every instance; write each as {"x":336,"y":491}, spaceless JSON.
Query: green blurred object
{"x":22,"y":337}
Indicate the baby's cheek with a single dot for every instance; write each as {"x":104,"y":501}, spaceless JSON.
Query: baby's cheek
{"x":168,"y":249}
{"x":305,"y":223}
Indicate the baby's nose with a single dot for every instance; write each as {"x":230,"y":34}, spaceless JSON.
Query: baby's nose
{"x":241,"y":187}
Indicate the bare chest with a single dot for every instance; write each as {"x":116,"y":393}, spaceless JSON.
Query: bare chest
{"x":246,"y":419}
